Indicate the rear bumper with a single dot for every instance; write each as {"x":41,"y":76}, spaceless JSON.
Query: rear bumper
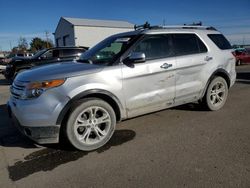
{"x":39,"y":134}
{"x":232,"y":78}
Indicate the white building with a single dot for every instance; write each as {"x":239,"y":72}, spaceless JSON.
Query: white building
{"x":87,"y":32}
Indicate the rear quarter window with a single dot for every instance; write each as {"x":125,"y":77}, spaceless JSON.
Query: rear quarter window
{"x":220,"y":41}
{"x":186,"y":44}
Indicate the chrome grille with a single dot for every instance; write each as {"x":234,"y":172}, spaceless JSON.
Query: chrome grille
{"x":17,"y":89}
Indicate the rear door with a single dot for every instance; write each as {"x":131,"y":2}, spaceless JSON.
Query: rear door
{"x":191,"y":58}
{"x":150,"y":86}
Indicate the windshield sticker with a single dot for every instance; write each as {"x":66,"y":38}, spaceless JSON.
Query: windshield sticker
{"x":122,"y":39}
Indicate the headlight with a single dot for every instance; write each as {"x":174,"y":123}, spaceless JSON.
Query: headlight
{"x":35,"y":89}
{"x":9,"y":65}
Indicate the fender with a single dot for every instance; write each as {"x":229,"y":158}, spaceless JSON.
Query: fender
{"x":93,"y":93}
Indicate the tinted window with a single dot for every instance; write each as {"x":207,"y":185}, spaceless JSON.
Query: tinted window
{"x":186,"y":44}
{"x":71,"y":52}
{"x":156,"y":46}
{"x":55,"y":53}
{"x":48,"y":54}
{"x":51,"y":54}
{"x":220,"y":41}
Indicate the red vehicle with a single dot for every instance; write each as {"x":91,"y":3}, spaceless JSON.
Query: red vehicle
{"x":242,"y":56}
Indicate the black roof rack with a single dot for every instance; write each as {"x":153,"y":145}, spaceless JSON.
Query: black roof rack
{"x":194,"y":24}
{"x":185,"y":26}
{"x":143,"y":26}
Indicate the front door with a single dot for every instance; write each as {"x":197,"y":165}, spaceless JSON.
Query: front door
{"x":150,"y":86}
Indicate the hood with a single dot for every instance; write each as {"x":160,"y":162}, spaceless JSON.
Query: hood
{"x":58,"y":71}
{"x":20,"y":58}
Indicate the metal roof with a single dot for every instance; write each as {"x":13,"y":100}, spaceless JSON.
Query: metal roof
{"x":98,"y":23}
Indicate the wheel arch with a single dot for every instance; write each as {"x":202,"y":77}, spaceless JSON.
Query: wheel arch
{"x":108,"y":97}
{"x":219,"y":72}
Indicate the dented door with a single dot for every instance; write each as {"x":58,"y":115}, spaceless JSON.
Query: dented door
{"x":149,"y":86}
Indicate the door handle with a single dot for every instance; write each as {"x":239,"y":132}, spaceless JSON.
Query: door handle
{"x":166,"y":66}
{"x":208,"y":58}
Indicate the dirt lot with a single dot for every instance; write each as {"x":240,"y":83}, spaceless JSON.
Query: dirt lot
{"x":179,"y":147}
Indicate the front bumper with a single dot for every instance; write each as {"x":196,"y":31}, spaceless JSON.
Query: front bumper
{"x":37,"y":118}
{"x":41,"y":135}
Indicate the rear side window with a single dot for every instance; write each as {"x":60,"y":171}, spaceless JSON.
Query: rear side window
{"x":71,"y":52}
{"x":220,"y":41}
{"x":185,"y":44}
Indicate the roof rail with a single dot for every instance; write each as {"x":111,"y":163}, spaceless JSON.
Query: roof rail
{"x":143,"y":26}
{"x":185,"y":26}
{"x":195,"y":24}
{"x":189,"y":27}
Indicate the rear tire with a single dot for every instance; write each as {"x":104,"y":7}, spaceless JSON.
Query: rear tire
{"x":91,"y":124}
{"x":216,"y":94}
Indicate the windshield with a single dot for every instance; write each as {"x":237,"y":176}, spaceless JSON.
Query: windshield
{"x":37,"y":54}
{"x":107,"y":51}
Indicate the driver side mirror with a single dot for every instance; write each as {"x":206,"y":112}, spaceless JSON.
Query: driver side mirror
{"x":42,"y":57}
{"x":135,"y":57}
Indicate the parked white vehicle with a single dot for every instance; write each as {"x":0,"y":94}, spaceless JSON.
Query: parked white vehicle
{"x":2,"y":68}
{"x":126,"y":75}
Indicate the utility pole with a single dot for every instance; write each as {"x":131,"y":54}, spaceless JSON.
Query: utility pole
{"x":47,"y":38}
{"x":164,"y":22}
{"x":10,"y":46}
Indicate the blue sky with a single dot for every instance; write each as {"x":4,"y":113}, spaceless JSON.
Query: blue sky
{"x":31,"y":18}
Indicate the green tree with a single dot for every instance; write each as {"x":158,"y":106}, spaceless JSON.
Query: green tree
{"x":14,"y":50}
{"x":37,"y":44}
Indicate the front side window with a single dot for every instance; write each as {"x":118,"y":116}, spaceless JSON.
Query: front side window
{"x":107,"y":51}
{"x":51,"y":54}
{"x":155,"y":47}
{"x":186,"y":44}
{"x":48,"y":55}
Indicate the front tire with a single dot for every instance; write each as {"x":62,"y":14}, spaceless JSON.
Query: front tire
{"x":91,"y":124}
{"x":216,"y":94}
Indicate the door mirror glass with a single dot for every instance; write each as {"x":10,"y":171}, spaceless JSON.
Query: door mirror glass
{"x":135,"y":57}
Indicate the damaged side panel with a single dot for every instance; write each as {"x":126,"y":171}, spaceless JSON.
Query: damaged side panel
{"x":148,"y":87}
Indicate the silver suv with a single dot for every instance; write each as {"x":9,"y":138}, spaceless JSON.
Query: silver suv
{"x":124,"y":76}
